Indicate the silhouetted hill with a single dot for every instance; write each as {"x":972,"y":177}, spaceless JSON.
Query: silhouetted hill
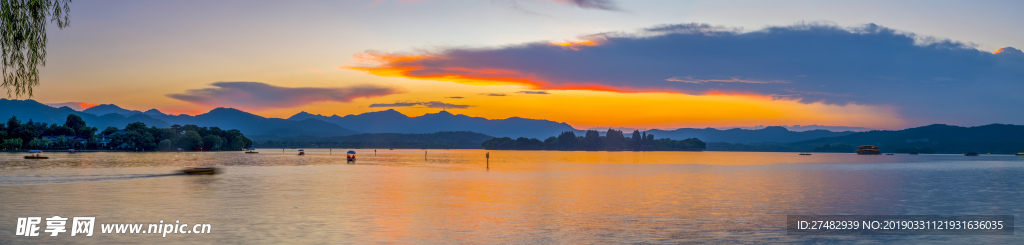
{"x":259,"y":127}
{"x":438,"y":140}
{"x":39,"y":112}
{"x":391,"y":121}
{"x":251,"y":125}
{"x":110,"y":108}
{"x":745,"y":136}
{"x":938,"y":138}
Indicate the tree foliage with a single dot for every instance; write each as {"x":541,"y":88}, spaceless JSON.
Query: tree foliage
{"x":15,"y":135}
{"x":613,"y":140}
{"x":23,"y":40}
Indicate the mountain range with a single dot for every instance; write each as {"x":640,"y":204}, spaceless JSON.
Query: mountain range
{"x":391,"y":121}
{"x":746,"y":136}
{"x":937,"y":138}
{"x":314,"y":127}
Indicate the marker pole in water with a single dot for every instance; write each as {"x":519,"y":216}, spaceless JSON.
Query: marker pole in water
{"x":424,"y":155}
{"x":488,"y":156}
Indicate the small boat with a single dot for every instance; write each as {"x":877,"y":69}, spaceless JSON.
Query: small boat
{"x":252,"y":150}
{"x":973,"y":154}
{"x":179,"y":149}
{"x":71,"y":151}
{"x":888,"y":154}
{"x":351,"y":156}
{"x":1020,"y":153}
{"x":302,"y":152}
{"x":37,"y":155}
{"x":391,"y":149}
{"x":199,"y":171}
{"x":805,"y":154}
{"x":868,"y":150}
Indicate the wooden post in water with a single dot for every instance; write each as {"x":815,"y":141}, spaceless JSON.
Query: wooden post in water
{"x":488,"y":156}
{"x":424,"y":155}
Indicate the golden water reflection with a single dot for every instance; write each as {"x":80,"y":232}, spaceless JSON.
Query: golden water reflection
{"x":450,"y":196}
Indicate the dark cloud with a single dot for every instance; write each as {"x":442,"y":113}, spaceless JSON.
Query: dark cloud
{"x":924,"y":78}
{"x":455,"y":97}
{"x":430,"y":104}
{"x":493,"y":94}
{"x":256,"y":95}
{"x":533,"y":92}
{"x":397,"y":104}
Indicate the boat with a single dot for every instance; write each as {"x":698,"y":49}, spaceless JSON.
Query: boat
{"x":913,"y":153}
{"x":199,"y":171}
{"x":252,"y":150}
{"x":805,"y":154}
{"x":302,"y":152}
{"x":889,"y":154}
{"x":71,"y":151}
{"x":868,"y":150}
{"x":38,"y":155}
{"x":179,"y":149}
{"x":351,"y":156}
{"x":971,"y":154}
{"x":1020,"y":153}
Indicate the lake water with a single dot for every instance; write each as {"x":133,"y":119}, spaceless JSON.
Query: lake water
{"x":398,"y":196}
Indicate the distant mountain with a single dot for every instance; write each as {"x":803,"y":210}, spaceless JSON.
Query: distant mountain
{"x":439,"y":140}
{"x":257,"y":127}
{"x":938,"y":138}
{"x":745,"y":136}
{"x":253,"y":126}
{"x":39,"y":112}
{"x":391,"y":121}
{"x":110,"y":108}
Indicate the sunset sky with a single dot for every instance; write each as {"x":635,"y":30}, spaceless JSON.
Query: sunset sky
{"x":589,"y":63}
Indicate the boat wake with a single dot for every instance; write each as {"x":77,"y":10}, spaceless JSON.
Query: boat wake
{"x":61,"y":179}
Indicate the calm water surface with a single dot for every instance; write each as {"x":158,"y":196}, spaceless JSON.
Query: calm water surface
{"x":398,"y":196}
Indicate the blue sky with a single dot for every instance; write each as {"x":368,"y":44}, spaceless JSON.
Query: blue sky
{"x":140,"y":54}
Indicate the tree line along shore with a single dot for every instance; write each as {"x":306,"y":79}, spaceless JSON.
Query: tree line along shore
{"x":614,"y":140}
{"x":75,"y":134}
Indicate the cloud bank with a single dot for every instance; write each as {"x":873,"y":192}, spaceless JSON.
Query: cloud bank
{"x":925,"y":77}
{"x":430,"y":104}
{"x":257,"y":95}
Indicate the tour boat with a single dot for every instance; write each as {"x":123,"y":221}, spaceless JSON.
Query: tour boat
{"x":199,"y":171}
{"x":302,"y":152}
{"x":1020,"y":153}
{"x":868,"y":150}
{"x":252,"y":150}
{"x":72,"y":151}
{"x":36,"y":156}
{"x":351,"y":156}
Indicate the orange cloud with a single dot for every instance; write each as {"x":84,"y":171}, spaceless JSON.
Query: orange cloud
{"x":87,"y":105}
{"x":390,"y":65}
{"x":575,"y":45}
